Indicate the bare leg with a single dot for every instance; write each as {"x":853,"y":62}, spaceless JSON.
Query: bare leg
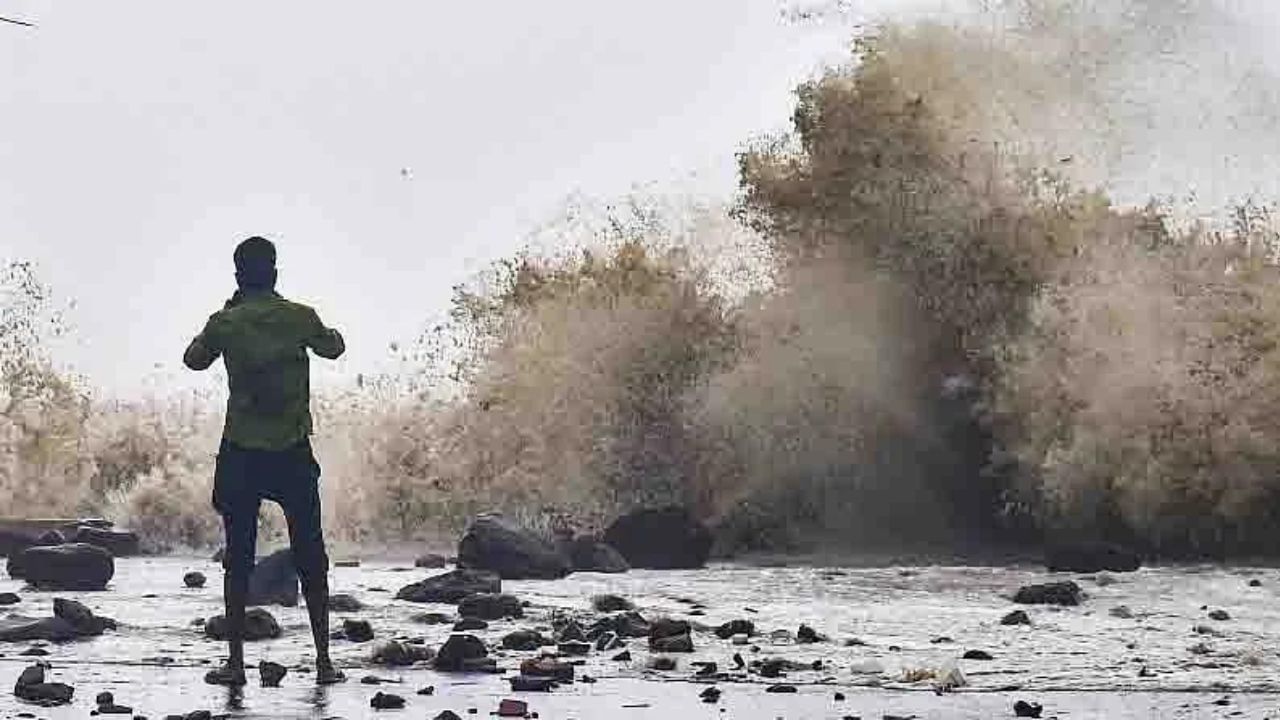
{"x":241,"y":535}
{"x":306,"y":539}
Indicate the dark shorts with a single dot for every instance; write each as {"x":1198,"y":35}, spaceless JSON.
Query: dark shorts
{"x":244,"y":477}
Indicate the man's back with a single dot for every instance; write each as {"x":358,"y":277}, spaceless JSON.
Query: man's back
{"x":263,"y":340}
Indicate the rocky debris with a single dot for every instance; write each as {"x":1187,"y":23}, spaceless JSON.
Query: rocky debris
{"x":1121,"y":611}
{"x":71,"y":620}
{"x":463,"y":653}
{"x":447,"y":715}
{"x":666,"y":627}
{"x":430,"y":618}
{"x":770,"y":667}
{"x":120,"y":543}
{"x":193,"y":715}
{"x":74,"y":566}
{"x":258,"y":625}
{"x":672,"y":644}
{"x":357,"y":630}
{"x":1219,"y":615}
{"x":1022,"y":708}
{"x":470,"y":625}
{"x":574,"y":647}
{"x":451,"y":587}
{"x":660,"y":538}
{"x":568,"y":630}
{"x":431,"y":561}
{"x":513,"y":708}
{"x":807,"y":635}
{"x":736,"y":627}
{"x":395,"y":653}
{"x":1066,"y":592}
{"x":609,"y":641}
{"x":1017,"y":617}
{"x":271,"y":673}
{"x":274,"y":580}
{"x":976,"y":655}
{"x":344,"y":603}
{"x":547,"y":667}
{"x":1255,"y":583}
{"x":386,"y":701}
{"x":787,"y":689}
{"x":493,"y":544}
{"x":588,"y":553}
{"x":106,"y":703}
{"x":31,"y":687}
{"x":710,"y":695}
{"x":524,"y":640}
{"x":625,"y":625}
{"x":624,"y":656}
{"x":490,"y":606}
{"x":194,"y":579}
{"x":524,"y":683}
{"x":1091,"y":557}
{"x":9,"y":598}
{"x":428,"y":690}
{"x":662,"y":663}
{"x":611,"y":604}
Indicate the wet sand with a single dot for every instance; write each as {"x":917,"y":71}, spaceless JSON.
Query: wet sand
{"x":1078,"y":662}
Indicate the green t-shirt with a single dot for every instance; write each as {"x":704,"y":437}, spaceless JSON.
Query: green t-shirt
{"x":263,"y":340}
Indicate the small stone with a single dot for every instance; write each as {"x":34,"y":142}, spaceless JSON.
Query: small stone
{"x":671,"y":644}
{"x":1255,"y":583}
{"x":347,"y":563}
{"x":781,"y":689}
{"x":194,"y":579}
{"x":710,"y":695}
{"x":574,"y":647}
{"x":468,"y":624}
{"x":104,"y":698}
{"x":624,"y":656}
{"x":524,"y":640}
{"x":357,"y":630}
{"x":1220,"y":615}
{"x":1023,"y":708}
{"x":513,"y":708}
{"x":976,"y":655}
{"x":386,"y":701}
{"x":663,"y":663}
{"x":1121,"y":611}
{"x":428,"y":690}
{"x":1017,"y":617}
{"x":9,"y":598}
{"x":611,"y":603}
{"x":448,"y":715}
{"x":525,"y":683}
{"x":271,"y":673}
{"x":808,"y":635}
{"x":344,"y":603}
{"x":839,"y":697}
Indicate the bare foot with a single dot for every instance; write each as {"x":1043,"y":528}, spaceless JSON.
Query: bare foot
{"x":227,"y":675}
{"x":327,"y":674}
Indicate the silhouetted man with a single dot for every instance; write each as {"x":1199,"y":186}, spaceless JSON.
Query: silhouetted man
{"x":266,"y":443}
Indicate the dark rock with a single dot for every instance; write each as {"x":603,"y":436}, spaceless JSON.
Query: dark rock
{"x":666,"y":627}
{"x":428,"y":690}
{"x":271,"y":673}
{"x":1219,"y":615}
{"x":1091,"y":558}
{"x":736,"y":627}
{"x":9,"y":598}
{"x":194,"y":579}
{"x":104,"y":698}
{"x":624,"y":656}
{"x":1054,"y":593}
{"x":386,"y":701}
{"x":524,"y":683}
{"x":347,"y":563}
{"x":447,"y":715}
{"x":49,"y":538}
{"x":343,"y":603}
{"x":430,"y":618}
{"x":710,"y":695}
{"x":549,"y":668}
{"x":431,"y":561}
{"x":120,"y":543}
{"x":513,"y":708}
{"x":626,"y":625}
{"x":451,"y":587}
{"x":575,"y":647}
{"x":357,"y":630}
{"x":807,"y":635}
{"x":524,"y":640}
{"x":490,"y":606}
{"x":73,"y":566}
{"x":590,"y":554}
{"x":31,"y":687}
{"x":662,"y":663}
{"x":492,"y":544}
{"x":1255,"y":583}
{"x":608,"y":641}
{"x":611,"y":603}
{"x":1017,"y":617}
{"x":274,"y":580}
{"x":71,"y":620}
{"x":258,"y":625}
{"x":400,"y":654}
{"x":470,"y":624}
{"x":81,"y":618}
{"x":1023,"y":708}
{"x":672,"y":644}
{"x":113,"y":709}
{"x":976,"y":655}
{"x":570,"y":631}
{"x":458,"y":651}
{"x":660,"y":538}
{"x":787,"y":689}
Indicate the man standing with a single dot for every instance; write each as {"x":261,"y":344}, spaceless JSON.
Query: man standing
{"x":266,"y":442}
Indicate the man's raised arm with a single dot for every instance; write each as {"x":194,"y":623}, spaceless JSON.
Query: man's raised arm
{"x":201,"y":353}
{"x":325,"y":341}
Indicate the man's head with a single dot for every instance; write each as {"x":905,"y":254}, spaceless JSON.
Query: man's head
{"x":256,"y":264}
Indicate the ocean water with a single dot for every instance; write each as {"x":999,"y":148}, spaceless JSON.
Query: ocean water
{"x":1078,"y":661}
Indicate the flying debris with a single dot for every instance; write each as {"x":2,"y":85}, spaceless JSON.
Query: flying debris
{"x":406,"y":173}
{"x":23,"y":23}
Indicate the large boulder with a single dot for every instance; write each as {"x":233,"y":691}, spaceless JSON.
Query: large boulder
{"x":120,"y":543}
{"x":493,"y":544}
{"x":451,"y":587}
{"x":1090,"y":557}
{"x":660,"y":538}
{"x":1055,"y":593}
{"x":490,"y":606}
{"x":274,"y":580}
{"x":71,"y":620}
{"x":32,"y":688}
{"x":73,"y":566}
{"x":589,"y":554}
{"x":463,"y":653}
{"x":258,"y":625}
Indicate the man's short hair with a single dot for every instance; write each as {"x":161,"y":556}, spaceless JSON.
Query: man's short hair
{"x":255,"y":260}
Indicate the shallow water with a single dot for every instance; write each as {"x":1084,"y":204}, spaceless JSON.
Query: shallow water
{"x":1078,"y":662}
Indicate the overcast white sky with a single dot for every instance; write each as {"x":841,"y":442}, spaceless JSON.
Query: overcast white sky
{"x":141,"y":139}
